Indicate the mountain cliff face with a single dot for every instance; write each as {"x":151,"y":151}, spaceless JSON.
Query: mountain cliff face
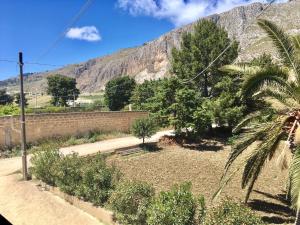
{"x":151,"y":61}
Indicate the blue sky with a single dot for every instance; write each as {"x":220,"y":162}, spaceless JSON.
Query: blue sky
{"x":32,"y":26}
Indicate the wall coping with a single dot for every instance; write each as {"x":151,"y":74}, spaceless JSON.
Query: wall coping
{"x":70,"y":113}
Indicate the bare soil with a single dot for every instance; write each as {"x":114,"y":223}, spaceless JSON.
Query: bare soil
{"x":203,"y":165}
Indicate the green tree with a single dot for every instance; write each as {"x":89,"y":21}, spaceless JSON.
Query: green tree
{"x":144,"y":128}
{"x":5,"y":98}
{"x":17,"y":98}
{"x":186,"y":102}
{"x":282,"y":83}
{"x":62,"y":89}
{"x":198,"y":50}
{"x":143,"y":93}
{"x":118,"y":92}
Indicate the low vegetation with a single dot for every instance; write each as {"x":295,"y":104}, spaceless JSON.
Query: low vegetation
{"x":133,"y":202}
{"x":144,"y":128}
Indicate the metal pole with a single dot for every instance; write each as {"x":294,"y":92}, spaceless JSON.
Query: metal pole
{"x":22,"y":121}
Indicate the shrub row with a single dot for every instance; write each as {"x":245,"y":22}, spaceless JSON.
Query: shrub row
{"x":88,"y":178}
{"x":133,"y":202}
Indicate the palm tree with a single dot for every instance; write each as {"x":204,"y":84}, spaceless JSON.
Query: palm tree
{"x":281,"y":82}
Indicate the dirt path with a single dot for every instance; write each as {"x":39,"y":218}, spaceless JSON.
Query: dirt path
{"x":22,"y":203}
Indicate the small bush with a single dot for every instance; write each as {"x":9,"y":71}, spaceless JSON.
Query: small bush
{"x":69,"y":174}
{"x":175,"y":207}
{"x":144,"y":128}
{"x":130,"y":202}
{"x":98,"y":180}
{"x":231,"y":213}
{"x":45,"y":165}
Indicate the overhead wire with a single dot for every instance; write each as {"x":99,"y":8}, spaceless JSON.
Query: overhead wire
{"x":82,"y":10}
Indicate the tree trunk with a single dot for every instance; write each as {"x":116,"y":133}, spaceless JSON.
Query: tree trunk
{"x":297,"y":222}
{"x":143,"y":141}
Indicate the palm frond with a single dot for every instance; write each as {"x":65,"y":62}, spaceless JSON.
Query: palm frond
{"x":295,"y":179}
{"x":239,"y":69}
{"x":263,"y":152}
{"x":283,"y":44}
{"x":267,"y":77}
{"x":247,"y":120}
{"x":296,"y":40}
{"x":244,"y":142}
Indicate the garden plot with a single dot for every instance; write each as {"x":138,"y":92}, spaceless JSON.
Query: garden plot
{"x":174,"y":164}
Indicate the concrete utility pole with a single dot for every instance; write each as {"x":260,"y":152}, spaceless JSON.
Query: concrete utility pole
{"x":22,"y":120}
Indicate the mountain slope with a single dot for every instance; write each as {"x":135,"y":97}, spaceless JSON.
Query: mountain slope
{"x":151,"y":61}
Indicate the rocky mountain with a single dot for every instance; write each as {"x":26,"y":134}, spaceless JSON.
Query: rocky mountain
{"x":151,"y":61}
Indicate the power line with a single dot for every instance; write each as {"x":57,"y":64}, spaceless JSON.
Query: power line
{"x":221,"y":54}
{"x":82,"y":10}
{"x":30,"y":63}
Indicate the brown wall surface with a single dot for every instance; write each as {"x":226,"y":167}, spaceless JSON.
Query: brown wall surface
{"x":41,"y":126}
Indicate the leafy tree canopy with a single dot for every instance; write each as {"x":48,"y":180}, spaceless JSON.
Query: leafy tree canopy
{"x":62,"y":89}
{"x":118,"y":92}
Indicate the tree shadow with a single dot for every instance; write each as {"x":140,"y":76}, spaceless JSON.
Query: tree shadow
{"x":204,"y":146}
{"x":150,"y":147}
{"x":277,"y":212}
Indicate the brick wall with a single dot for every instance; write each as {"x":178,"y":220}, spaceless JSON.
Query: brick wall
{"x":64,"y":124}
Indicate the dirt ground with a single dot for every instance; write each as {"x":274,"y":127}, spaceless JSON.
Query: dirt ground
{"x":203,"y":166}
{"x":22,"y":203}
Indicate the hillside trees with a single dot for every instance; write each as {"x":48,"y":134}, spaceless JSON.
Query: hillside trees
{"x":118,"y":92}
{"x":62,"y":89}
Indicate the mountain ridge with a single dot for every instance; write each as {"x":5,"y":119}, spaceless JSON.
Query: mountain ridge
{"x":151,"y":60}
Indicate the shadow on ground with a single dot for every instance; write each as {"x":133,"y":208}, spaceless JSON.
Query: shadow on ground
{"x":275,"y":206}
{"x":205,"y":145}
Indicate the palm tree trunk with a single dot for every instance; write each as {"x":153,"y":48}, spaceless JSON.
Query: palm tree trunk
{"x":297,"y":222}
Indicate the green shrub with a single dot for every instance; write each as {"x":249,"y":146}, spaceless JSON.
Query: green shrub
{"x":130,"y":202}
{"x":44,"y":165}
{"x":231,"y":213}
{"x":69,"y":174}
{"x":144,"y":128}
{"x":9,"y":110}
{"x":98,"y":180}
{"x":175,"y":207}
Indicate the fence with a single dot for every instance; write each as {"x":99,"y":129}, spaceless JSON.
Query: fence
{"x":39,"y":126}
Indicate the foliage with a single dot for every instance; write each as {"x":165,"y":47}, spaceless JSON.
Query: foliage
{"x":62,"y":89}
{"x":231,"y":213}
{"x":69,"y":174}
{"x":17,"y":98}
{"x":98,"y":180}
{"x":264,"y":60}
{"x":44,"y":165}
{"x":174,"y":207}
{"x":143,"y":93}
{"x":280,"y":82}
{"x":144,"y":128}
{"x":5,"y":98}
{"x":186,"y":102}
{"x":6,"y":110}
{"x":118,"y":92}
{"x":130,"y":201}
{"x":198,"y":50}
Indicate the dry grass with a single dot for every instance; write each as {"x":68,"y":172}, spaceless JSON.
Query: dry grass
{"x":203,"y":166}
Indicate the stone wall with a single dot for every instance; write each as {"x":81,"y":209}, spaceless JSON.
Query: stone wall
{"x":41,"y":126}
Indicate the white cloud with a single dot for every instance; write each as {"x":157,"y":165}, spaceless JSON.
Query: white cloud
{"x":180,"y":12}
{"x":87,"y":33}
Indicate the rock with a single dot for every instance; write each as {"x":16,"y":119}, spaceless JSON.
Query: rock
{"x":151,"y":61}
